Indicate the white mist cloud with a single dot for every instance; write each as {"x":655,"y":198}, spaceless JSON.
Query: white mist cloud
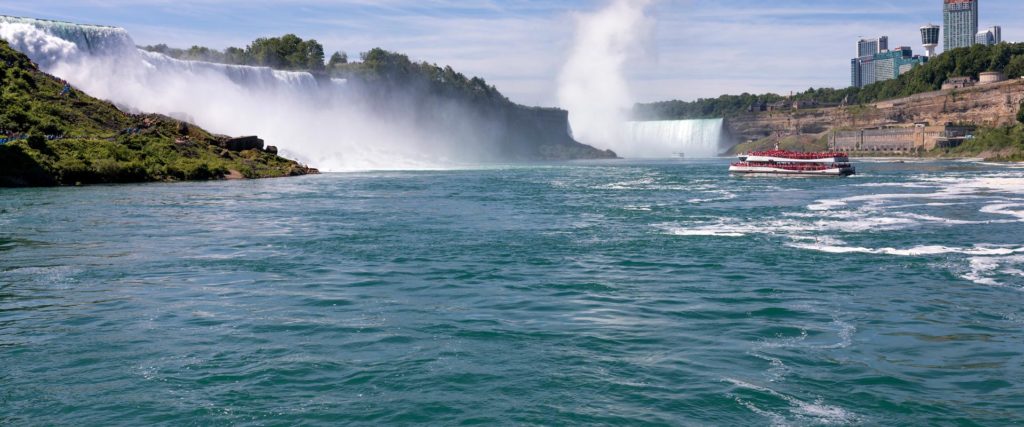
{"x":43,"y":48}
{"x":330,"y":125}
{"x":592,"y":84}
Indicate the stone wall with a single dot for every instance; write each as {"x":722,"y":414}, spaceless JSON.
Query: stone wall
{"x":895,"y":140}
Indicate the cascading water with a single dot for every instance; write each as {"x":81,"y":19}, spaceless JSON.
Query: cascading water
{"x":48,"y":42}
{"x":323,"y":123}
{"x":660,"y":139}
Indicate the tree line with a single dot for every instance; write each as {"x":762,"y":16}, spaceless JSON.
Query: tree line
{"x":288,"y":52}
{"x":969,"y":61}
{"x":383,"y":68}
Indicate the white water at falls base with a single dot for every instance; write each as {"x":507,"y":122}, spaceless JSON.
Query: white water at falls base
{"x":669,"y":138}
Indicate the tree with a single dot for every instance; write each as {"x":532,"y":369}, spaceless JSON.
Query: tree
{"x":264,"y":52}
{"x":288,"y":52}
{"x":200,"y":53}
{"x":337,"y":59}
{"x":314,"y":55}
{"x":1020,"y":113}
{"x":236,"y":56}
{"x":1015,"y":69}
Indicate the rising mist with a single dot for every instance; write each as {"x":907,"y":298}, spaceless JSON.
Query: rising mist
{"x":593,"y":84}
{"x":335,"y":125}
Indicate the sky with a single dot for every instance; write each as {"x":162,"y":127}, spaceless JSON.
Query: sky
{"x":697,"y":48}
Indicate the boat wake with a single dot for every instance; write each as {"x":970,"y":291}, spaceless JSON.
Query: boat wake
{"x":756,"y":398}
{"x":920,"y":206}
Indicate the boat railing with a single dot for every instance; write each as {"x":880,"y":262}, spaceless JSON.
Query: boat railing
{"x":793,"y":167}
{"x":797,"y":155}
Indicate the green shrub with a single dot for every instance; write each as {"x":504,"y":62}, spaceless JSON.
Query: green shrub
{"x":72,"y":171}
{"x":36,"y":140}
{"x":1020,"y":113}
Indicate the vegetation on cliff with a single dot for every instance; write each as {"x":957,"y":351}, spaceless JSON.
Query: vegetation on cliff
{"x":994,"y":144}
{"x":970,"y":61}
{"x":56,"y":135}
{"x":292,"y":53}
{"x":387,"y":70}
{"x":288,"y":52}
{"x":394,"y":71}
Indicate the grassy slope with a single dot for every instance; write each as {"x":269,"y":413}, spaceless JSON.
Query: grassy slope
{"x":95,"y":148}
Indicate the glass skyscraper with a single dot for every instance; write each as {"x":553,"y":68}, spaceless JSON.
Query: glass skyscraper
{"x":990,"y":36}
{"x":862,"y":68}
{"x":869,"y":47}
{"x":961,"y":23}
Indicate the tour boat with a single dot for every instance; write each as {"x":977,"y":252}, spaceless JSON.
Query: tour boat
{"x":794,"y":163}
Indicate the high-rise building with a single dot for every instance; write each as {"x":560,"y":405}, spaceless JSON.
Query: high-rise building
{"x":989,"y":37}
{"x":985,"y":38}
{"x":855,"y":80}
{"x":862,"y":71}
{"x":961,"y":23}
{"x":862,"y":68}
{"x":930,"y":39}
{"x":891,"y":64}
{"x":869,"y":47}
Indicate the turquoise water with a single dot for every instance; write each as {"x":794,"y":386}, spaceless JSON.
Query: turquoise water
{"x":658,"y":293}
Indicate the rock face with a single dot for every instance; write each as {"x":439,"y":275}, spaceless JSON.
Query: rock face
{"x":242,"y":143}
{"x":983,"y":105}
{"x":544,"y":134}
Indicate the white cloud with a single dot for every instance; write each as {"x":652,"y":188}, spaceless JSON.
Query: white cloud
{"x":701,"y":48}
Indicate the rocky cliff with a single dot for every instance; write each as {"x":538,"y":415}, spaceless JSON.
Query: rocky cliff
{"x":985,"y":105}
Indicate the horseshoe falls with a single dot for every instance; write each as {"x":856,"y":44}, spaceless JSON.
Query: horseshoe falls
{"x":670,"y":138}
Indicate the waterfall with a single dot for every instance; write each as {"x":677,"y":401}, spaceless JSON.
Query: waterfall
{"x":89,"y":39}
{"x":668,"y":138}
{"x":327,"y":124}
{"x":50,"y":43}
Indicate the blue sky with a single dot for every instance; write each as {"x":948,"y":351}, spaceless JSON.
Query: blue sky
{"x":699,"y":48}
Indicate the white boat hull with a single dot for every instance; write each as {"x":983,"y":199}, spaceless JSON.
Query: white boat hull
{"x":779,"y":171}
{"x":765,"y":159}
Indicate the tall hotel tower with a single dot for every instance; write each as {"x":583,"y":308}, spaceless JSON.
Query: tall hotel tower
{"x":961,"y":22}
{"x":930,"y":38}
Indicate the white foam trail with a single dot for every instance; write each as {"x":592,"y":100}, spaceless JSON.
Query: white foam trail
{"x":592,"y":84}
{"x":1004,"y":209}
{"x":947,"y":188}
{"x":815,"y":229}
{"x":916,"y":251}
{"x":720,"y":229}
{"x":982,"y":270}
{"x":817,"y":411}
